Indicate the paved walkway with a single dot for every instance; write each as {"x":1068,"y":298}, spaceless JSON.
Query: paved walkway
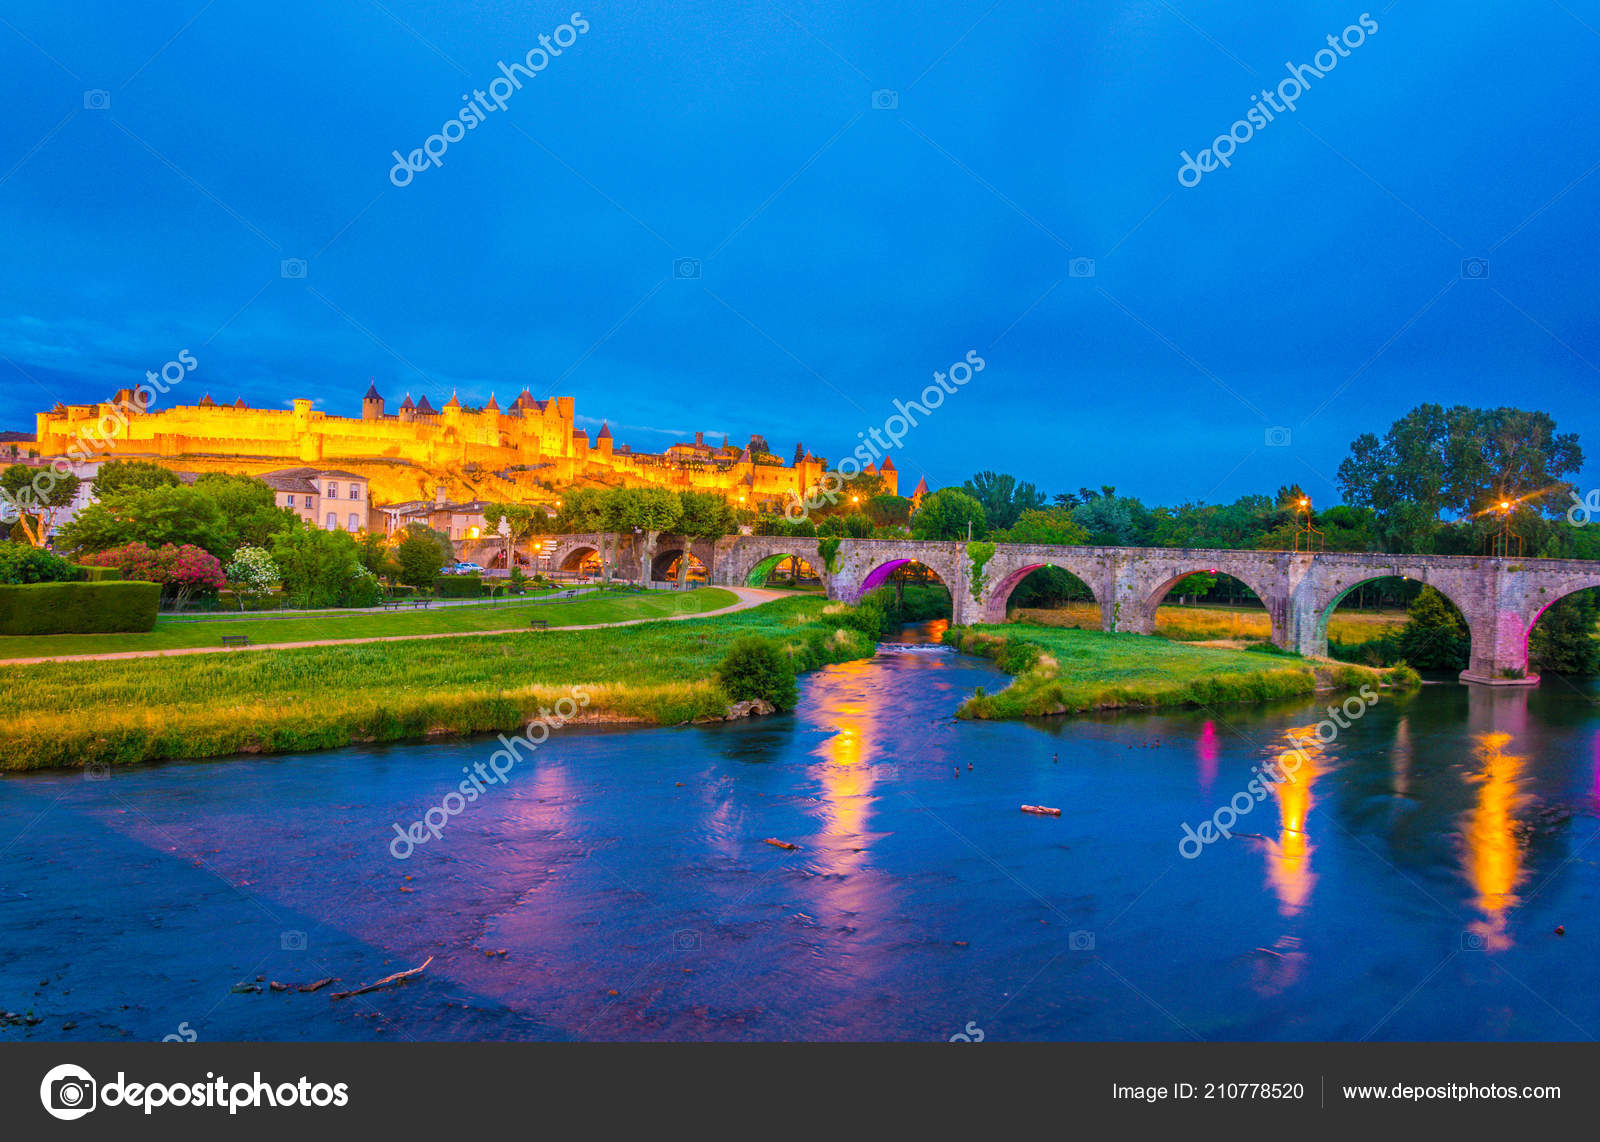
{"x":748,"y":597}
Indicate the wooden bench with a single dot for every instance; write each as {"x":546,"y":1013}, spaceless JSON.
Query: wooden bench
{"x":538,"y":624}
{"x":231,"y":640}
{"x":422,"y":603}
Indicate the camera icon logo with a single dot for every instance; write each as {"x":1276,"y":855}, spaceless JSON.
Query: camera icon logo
{"x":1279,"y":437}
{"x":885,"y":100}
{"x":1475,"y":269}
{"x":686,"y":940}
{"x":686,"y":269}
{"x":68,"y":1092}
{"x":1080,"y":941}
{"x":1473,"y":941}
{"x":96,"y":771}
{"x":292,"y":941}
{"x":1081,"y":268}
{"x":97,"y":100}
{"x":293,"y":267}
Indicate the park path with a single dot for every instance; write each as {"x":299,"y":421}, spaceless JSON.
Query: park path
{"x":748,"y":597}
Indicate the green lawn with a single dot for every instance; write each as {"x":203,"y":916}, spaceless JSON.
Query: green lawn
{"x":280,"y":701}
{"x":1060,"y":670}
{"x":179,"y":633}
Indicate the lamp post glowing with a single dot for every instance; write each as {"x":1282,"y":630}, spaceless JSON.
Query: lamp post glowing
{"x":1505,"y":543}
{"x":1306,"y":536}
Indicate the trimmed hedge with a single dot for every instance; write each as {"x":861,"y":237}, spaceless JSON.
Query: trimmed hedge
{"x":78,"y":608}
{"x":458,"y":587}
{"x":98,"y":574}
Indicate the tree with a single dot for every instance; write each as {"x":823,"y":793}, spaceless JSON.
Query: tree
{"x":582,"y":509}
{"x":317,"y":565}
{"x":522,"y":520}
{"x":420,"y":555}
{"x":154,"y":516}
{"x":1563,"y":639}
{"x":1436,"y":462}
{"x":250,"y":512}
{"x":375,"y":554}
{"x":1113,"y":520}
{"x":125,"y":475}
{"x":705,"y":516}
{"x":945,"y":514}
{"x":888,"y":511}
{"x":1435,"y":636}
{"x":36,"y":496}
{"x":1049,"y":525}
{"x":641,"y":514}
{"x":1002,"y":497}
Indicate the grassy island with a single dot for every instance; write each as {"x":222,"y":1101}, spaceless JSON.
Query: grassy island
{"x":1063,"y":671}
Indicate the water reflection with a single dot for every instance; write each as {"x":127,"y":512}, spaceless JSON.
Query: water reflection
{"x":1207,"y":747}
{"x":1289,"y":857}
{"x":1492,"y":853}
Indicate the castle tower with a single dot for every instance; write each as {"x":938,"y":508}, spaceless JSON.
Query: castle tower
{"x":603,"y":441}
{"x":493,"y":405}
{"x":891,"y":478}
{"x":426,"y":411}
{"x":372,"y":403}
{"x":922,"y":490}
{"x":408,"y":411}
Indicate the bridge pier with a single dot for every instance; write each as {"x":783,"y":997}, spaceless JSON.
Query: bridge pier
{"x":1499,"y":650}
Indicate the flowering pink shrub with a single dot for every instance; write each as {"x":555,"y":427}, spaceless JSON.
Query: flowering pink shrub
{"x":181,"y":571}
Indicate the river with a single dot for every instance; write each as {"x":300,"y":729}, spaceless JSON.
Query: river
{"x":1406,"y":883}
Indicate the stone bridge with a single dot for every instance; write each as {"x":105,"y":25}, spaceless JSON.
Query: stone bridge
{"x":1500,"y":599}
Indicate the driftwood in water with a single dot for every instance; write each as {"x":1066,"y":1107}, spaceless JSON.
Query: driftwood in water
{"x":397,"y":977}
{"x":317,"y":986}
{"x":776,"y":843}
{"x":1042,"y":810}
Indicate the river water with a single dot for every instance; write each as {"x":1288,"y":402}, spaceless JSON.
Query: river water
{"x":1406,"y":883}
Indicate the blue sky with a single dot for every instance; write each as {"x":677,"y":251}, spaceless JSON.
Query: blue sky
{"x":846,"y":250}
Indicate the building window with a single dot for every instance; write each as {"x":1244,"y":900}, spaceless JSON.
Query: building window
{"x":355,"y":491}
{"x":291,"y":501}
{"x":333,"y":521}
{"x":355,"y":522}
{"x":333,"y":490}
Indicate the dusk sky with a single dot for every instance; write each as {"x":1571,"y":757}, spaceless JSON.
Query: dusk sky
{"x":848,"y":245}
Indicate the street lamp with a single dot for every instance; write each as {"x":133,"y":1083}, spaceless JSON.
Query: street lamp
{"x":1306,"y":536}
{"x":1506,"y":543}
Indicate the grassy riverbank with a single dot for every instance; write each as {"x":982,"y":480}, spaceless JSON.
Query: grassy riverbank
{"x":284,"y":701}
{"x":1064,"y":671}
{"x":180,"y":633}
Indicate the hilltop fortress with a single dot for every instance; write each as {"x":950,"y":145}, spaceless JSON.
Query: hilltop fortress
{"x":518,"y":453}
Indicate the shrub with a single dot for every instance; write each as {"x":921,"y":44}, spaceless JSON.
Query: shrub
{"x":362,"y":589}
{"x":78,"y":608}
{"x":458,"y":587}
{"x":316,"y":564}
{"x":756,"y":667}
{"x":181,"y":571}
{"x":252,"y":571}
{"x":25,"y":563}
{"x":97,"y":574}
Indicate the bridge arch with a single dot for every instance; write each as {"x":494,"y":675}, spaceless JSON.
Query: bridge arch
{"x":1327,"y":598}
{"x":573,"y":557}
{"x":873,"y":570}
{"x":1009,"y":576}
{"x":664,"y":565}
{"x":1149,"y":589}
